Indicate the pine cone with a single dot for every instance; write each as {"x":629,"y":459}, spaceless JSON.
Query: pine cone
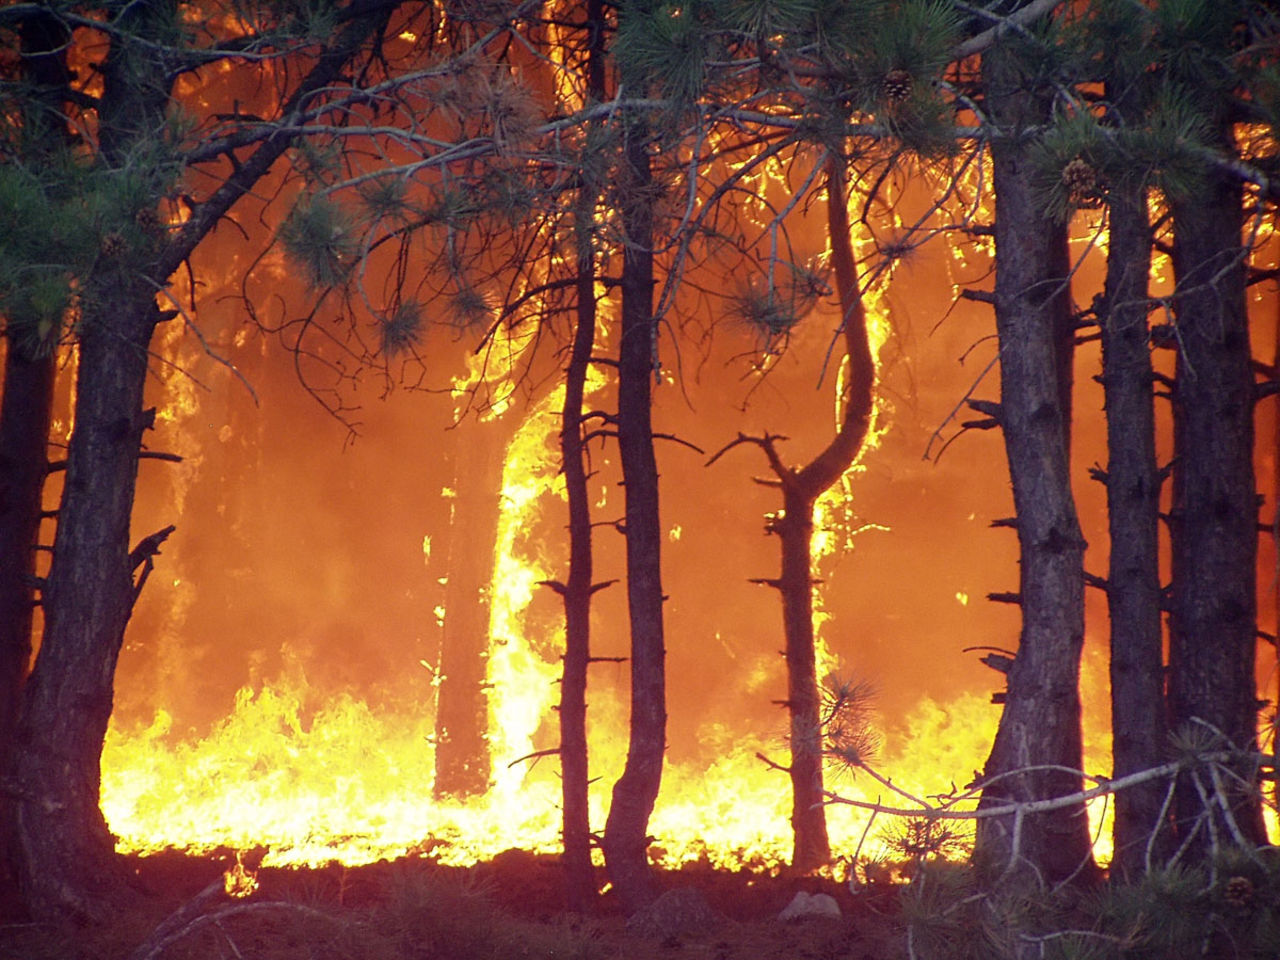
{"x":895,"y":86}
{"x":148,"y":219}
{"x":1081,"y":181}
{"x":112,"y":244}
{"x":1239,"y":892}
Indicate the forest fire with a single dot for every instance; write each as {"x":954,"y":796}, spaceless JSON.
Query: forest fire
{"x":828,"y":446}
{"x":319,"y":771}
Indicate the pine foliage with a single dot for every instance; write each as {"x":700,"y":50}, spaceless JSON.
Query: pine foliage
{"x":321,"y":236}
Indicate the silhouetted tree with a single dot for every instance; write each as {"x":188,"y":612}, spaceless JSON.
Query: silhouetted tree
{"x":1038,"y":741}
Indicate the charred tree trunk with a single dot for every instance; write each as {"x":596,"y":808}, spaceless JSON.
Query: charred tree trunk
{"x":26,"y":408}
{"x":626,"y":839}
{"x":1132,"y":479}
{"x":578,"y":588}
{"x":1213,"y":521}
{"x":25,"y":416}
{"x":811,"y":847}
{"x":462,"y":763}
{"x":801,"y":489}
{"x":66,"y":853}
{"x":1040,"y":724}
{"x":576,"y":592}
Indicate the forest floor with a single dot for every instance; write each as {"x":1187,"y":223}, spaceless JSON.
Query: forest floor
{"x":510,"y":908}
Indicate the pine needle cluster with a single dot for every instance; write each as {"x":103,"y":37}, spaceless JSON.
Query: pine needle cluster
{"x":321,"y":236}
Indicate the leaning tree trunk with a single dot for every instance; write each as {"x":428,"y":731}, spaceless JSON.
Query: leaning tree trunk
{"x":1040,"y":724}
{"x":1213,"y":520}
{"x":801,"y":487}
{"x":626,"y":840}
{"x":1132,"y":481}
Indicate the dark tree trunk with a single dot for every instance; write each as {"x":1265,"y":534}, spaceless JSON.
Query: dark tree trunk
{"x":626,"y":839}
{"x":801,"y":489}
{"x":1213,"y":617}
{"x":1138,"y":723}
{"x":811,"y":847}
{"x":576,"y":592}
{"x":1041,"y":719}
{"x":26,"y":410}
{"x":25,"y":415}
{"x":66,"y":857}
{"x":462,"y":763}
{"x":578,"y":588}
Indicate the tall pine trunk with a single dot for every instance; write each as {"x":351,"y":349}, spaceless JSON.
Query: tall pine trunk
{"x":801,"y":489}
{"x":25,"y":416}
{"x":626,"y":838}
{"x":66,"y":853}
{"x":1213,"y":520}
{"x":1132,"y":479}
{"x":1040,"y":724}
{"x":578,"y":588}
{"x":26,"y":408}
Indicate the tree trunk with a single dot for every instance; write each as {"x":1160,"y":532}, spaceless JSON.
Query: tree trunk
{"x":66,"y":860}
{"x":65,"y":852}
{"x":578,"y":588}
{"x":580,"y":883}
{"x":26,"y":410}
{"x":1213,"y":616}
{"x":1138,"y":723}
{"x":626,"y":839}
{"x":25,"y":416}
{"x":801,"y":489}
{"x":1040,"y":724}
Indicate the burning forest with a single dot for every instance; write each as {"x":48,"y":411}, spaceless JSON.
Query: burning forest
{"x":820,"y":448}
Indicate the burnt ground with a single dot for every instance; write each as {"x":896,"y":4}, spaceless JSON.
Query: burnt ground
{"x":509,"y":908}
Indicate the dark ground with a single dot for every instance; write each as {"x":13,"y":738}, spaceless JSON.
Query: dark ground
{"x":511,"y":907}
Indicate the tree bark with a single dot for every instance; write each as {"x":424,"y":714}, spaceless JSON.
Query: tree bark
{"x":1138,"y":721}
{"x":578,"y":587}
{"x":66,"y":851}
{"x":1213,"y":520}
{"x":1040,"y":724}
{"x":576,"y":593}
{"x":26,"y":411}
{"x":801,"y":489}
{"x":25,"y":415}
{"x":626,"y":839}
